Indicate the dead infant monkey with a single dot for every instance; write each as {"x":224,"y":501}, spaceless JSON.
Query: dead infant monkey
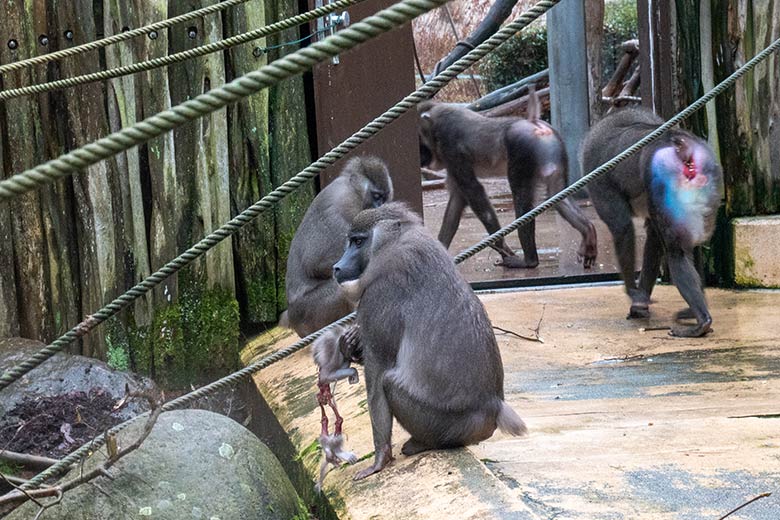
{"x":528,"y":151}
{"x":435,"y":368}
{"x":333,"y":366}
{"x":674,"y":184}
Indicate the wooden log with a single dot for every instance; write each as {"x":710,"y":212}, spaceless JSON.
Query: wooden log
{"x":23,"y":22}
{"x":618,"y":77}
{"x":26,"y":460}
{"x":518,"y":107}
{"x":100,"y":229}
{"x":201,"y":147}
{"x":163,"y":198}
{"x":747,"y":114}
{"x":290,"y":149}
{"x":250,"y":175}
{"x":9,"y":317}
{"x":124,"y":110}
{"x":510,"y":92}
{"x":594,"y":34}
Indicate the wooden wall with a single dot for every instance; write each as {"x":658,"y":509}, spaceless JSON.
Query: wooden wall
{"x":70,"y":247}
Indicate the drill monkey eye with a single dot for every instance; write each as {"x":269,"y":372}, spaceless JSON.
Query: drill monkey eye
{"x":357,"y":241}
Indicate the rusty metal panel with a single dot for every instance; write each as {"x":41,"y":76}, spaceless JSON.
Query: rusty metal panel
{"x":366,"y":82}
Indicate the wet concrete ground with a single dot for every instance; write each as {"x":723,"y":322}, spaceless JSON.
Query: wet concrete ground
{"x":624,"y":423}
{"x":556,"y":240}
{"x":631,"y":424}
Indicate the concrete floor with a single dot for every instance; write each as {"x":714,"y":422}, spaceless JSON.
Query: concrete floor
{"x":556,"y":240}
{"x":624,"y":423}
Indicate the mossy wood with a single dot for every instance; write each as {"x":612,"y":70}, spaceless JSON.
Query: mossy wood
{"x":712,"y":41}
{"x":68,"y":248}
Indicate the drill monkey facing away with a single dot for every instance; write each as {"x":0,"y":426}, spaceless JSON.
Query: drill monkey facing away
{"x":430,"y":355}
{"x":528,"y":151}
{"x":673,"y":183}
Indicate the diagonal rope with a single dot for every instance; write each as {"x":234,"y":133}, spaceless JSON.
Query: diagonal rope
{"x":270,"y":200}
{"x":116,"y":38}
{"x":215,"y":99}
{"x":164,"y":61}
{"x":84,"y":450}
{"x":410,"y":101}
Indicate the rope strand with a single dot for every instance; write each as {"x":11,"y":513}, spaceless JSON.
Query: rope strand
{"x":252,"y":82}
{"x":164,"y":61}
{"x":116,"y":38}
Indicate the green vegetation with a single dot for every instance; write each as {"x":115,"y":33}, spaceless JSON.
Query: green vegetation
{"x":190,"y":341}
{"x":526,"y":52}
{"x":117,"y":355}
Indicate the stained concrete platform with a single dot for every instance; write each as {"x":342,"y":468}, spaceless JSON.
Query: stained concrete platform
{"x":624,"y":423}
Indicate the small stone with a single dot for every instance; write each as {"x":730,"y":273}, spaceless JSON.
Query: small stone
{"x":226,"y":451}
{"x":177,"y":427}
{"x":145,"y":511}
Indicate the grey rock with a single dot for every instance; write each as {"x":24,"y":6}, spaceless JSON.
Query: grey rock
{"x":62,"y":374}
{"x":180,"y":472}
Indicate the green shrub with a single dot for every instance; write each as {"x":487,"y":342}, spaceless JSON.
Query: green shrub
{"x":526,"y":52}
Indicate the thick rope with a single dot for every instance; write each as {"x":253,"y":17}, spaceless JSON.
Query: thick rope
{"x":116,"y":38}
{"x":410,"y":101}
{"x":609,"y":165}
{"x":84,"y":450}
{"x":270,"y":200}
{"x":164,"y":61}
{"x":252,"y":82}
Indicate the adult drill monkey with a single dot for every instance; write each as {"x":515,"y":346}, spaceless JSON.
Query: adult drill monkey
{"x":528,"y":151}
{"x":313,"y":296}
{"x":430,"y":356}
{"x":673,"y":183}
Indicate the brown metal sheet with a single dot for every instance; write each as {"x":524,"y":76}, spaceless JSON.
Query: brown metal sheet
{"x":367,"y":81}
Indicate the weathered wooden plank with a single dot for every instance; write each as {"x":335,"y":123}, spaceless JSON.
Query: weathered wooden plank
{"x":100,"y":228}
{"x":9,"y":317}
{"x":163,"y":201}
{"x":23,"y":22}
{"x":201,"y":146}
{"x":290,"y":149}
{"x":656,"y":36}
{"x":594,"y":34}
{"x":250,"y":175}
{"x":747,"y":114}
{"x":123,"y":110}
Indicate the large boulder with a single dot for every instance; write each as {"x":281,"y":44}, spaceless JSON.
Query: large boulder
{"x":194,"y":465}
{"x":64,"y":374}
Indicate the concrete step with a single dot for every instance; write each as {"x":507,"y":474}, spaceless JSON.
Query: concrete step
{"x":438,"y":484}
{"x":625,"y":421}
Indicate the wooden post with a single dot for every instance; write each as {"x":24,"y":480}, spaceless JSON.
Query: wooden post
{"x":124,"y":110}
{"x":594,"y":34}
{"x":567,"y":54}
{"x":657,"y":60}
{"x":290,"y":148}
{"x":250,"y":175}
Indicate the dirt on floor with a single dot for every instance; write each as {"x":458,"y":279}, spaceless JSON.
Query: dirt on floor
{"x":54,"y":426}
